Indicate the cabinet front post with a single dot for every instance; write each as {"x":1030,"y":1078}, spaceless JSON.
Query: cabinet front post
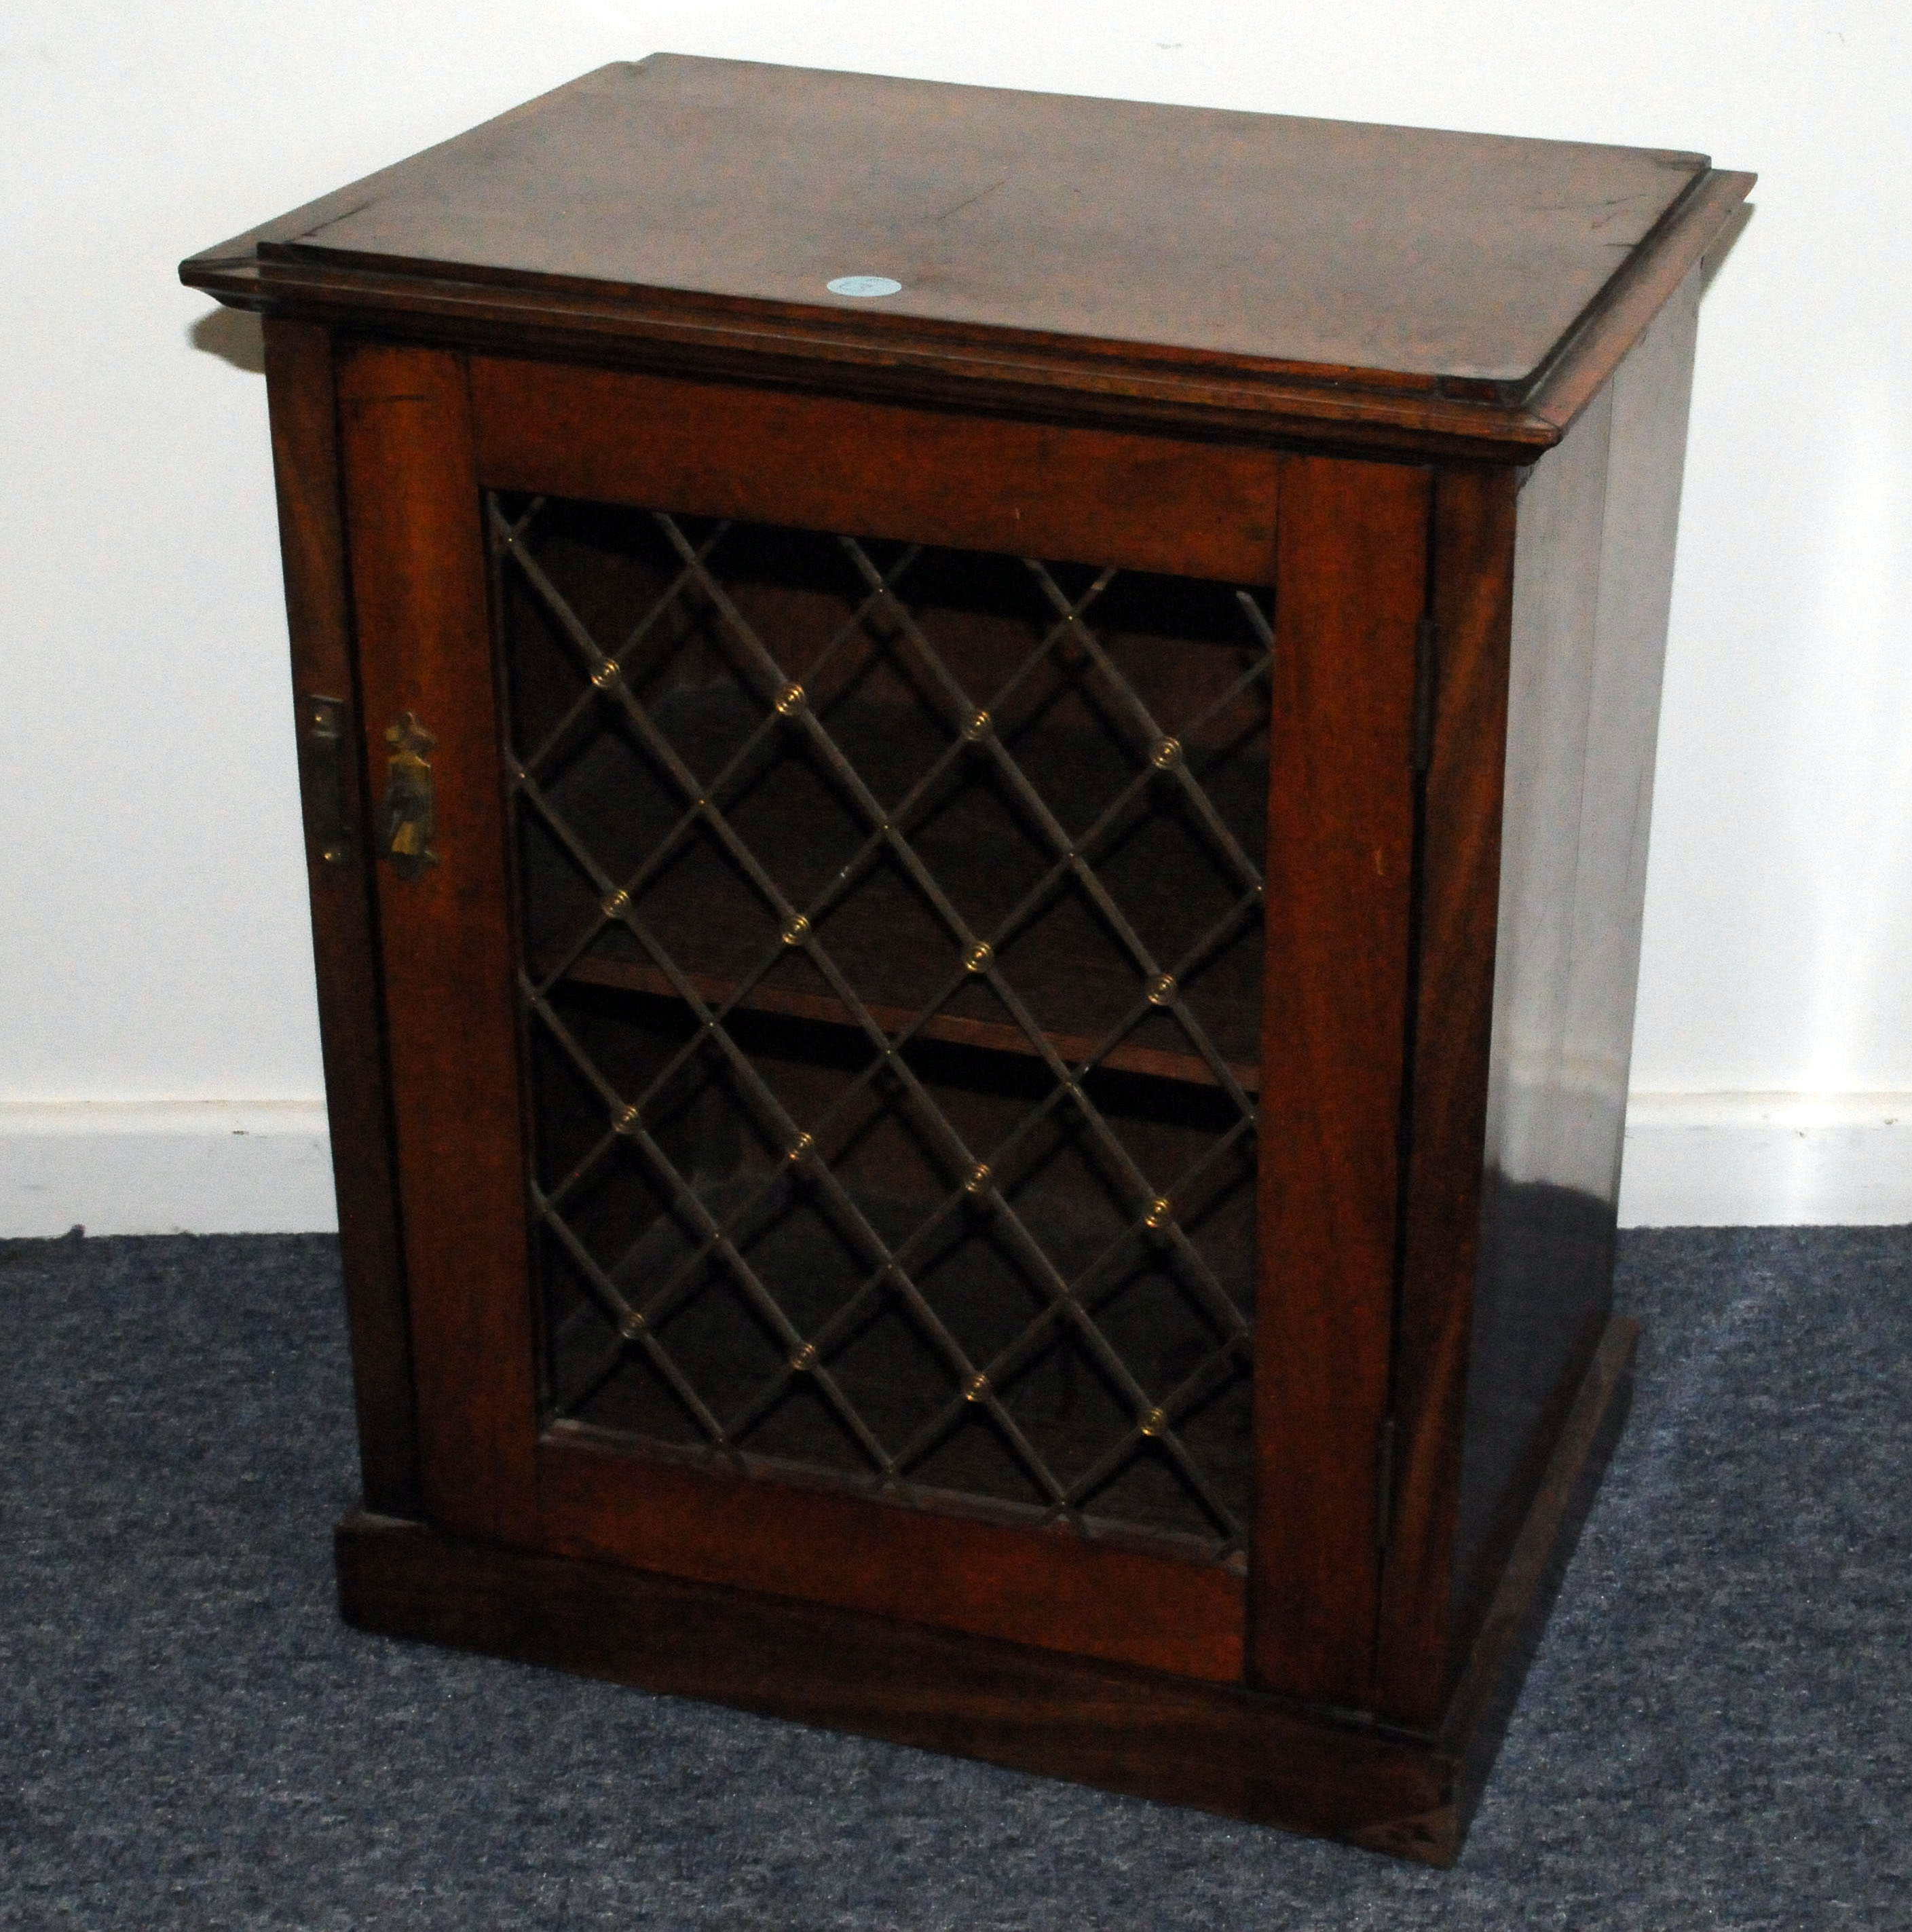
{"x":1472,"y":600}
{"x":1351,"y":542}
{"x":305,"y":461}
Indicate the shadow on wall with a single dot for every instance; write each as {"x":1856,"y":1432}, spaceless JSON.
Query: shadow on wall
{"x":1723,"y":243}
{"x":234,"y":336}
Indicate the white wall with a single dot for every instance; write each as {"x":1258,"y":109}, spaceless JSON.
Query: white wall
{"x":156,"y":949}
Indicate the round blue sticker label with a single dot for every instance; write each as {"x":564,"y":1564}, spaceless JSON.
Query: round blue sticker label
{"x":864,"y":285}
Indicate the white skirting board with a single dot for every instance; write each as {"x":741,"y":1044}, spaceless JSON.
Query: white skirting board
{"x":262,"y":1167}
{"x":165,"y":1167}
{"x":1724,"y":1160}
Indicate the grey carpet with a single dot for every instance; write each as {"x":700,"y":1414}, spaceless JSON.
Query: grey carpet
{"x":1716,"y":1733}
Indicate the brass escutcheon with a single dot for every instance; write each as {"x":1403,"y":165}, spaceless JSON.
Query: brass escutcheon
{"x":408,"y":816}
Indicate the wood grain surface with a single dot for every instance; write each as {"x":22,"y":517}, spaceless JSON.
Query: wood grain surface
{"x":876,"y":470}
{"x":299,"y":390}
{"x":1339,"y":245}
{"x":1215,"y":1747}
{"x":1120,"y":263}
{"x":1051,"y":1588}
{"x":424,"y":643}
{"x":1348,"y":601}
{"x":1452,"y":1029}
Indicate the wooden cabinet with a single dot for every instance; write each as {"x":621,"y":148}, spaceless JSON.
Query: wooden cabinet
{"x":977,"y":767}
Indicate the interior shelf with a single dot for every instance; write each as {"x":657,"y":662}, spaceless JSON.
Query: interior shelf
{"x":1072,"y":973}
{"x":1157,"y":1062}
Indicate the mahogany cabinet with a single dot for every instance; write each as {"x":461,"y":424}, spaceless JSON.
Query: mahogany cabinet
{"x":977,"y":768}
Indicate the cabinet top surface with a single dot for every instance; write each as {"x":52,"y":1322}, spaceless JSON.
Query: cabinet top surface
{"x":676,"y":192}
{"x":1242,"y":235}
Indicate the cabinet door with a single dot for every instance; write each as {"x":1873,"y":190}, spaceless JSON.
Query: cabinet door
{"x":823,"y":937}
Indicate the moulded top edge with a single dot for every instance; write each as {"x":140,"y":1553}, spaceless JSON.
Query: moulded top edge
{"x":1197,"y":232}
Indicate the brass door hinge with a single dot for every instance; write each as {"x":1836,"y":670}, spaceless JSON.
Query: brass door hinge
{"x":322,"y":755}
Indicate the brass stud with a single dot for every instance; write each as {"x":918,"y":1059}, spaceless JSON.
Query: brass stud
{"x":978,"y":727}
{"x":1167,"y":754}
{"x":1160,"y":1211}
{"x":797,"y":931}
{"x":333,"y":855}
{"x":616,"y":905}
{"x":801,"y":1148}
{"x":805,"y":1357}
{"x":633,"y":1325}
{"x":1153,"y":1423}
{"x":790,"y":700}
{"x":977,"y":958}
{"x":607,"y":674}
{"x":976,"y":1388}
{"x":1161,"y":989}
{"x":976,"y":1183}
{"x":626,"y":1122}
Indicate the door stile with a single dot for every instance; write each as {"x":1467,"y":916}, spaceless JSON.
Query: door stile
{"x":1351,"y":543}
{"x":432,"y":747}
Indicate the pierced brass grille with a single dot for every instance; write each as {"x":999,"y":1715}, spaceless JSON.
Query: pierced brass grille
{"x":891,"y":977}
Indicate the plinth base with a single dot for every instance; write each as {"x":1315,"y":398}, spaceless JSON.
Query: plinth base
{"x":1217,"y":1747}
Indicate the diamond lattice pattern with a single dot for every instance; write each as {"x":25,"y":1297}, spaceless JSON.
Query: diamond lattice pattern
{"x":891,"y":973}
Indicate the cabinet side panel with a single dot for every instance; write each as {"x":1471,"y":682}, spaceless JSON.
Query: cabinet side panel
{"x":1351,"y":583}
{"x":298,"y":382}
{"x":419,"y":588}
{"x":1471,"y":602}
{"x":1593,"y":577}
